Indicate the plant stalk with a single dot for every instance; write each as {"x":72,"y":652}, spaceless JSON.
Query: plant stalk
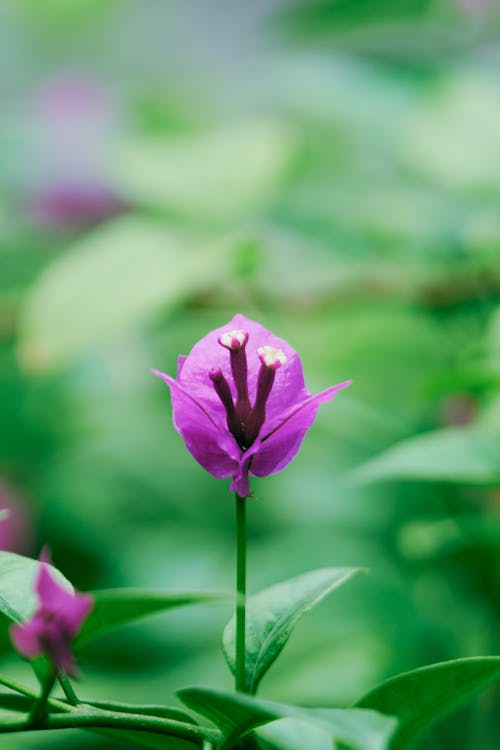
{"x":67,"y":687}
{"x":40,"y":710}
{"x":83,"y":719}
{"x":240,"y":595}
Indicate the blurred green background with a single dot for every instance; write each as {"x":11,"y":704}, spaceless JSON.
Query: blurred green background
{"x":331,"y":169}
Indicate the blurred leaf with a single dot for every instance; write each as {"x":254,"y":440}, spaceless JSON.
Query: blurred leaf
{"x":236,"y":714}
{"x":493,"y":340}
{"x":217,"y":175}
{"x":420,"y":698}
{"x":115,"y":607}
{"x":447,"y":143}
{"x":272,"y":615}
{"x":113,"y":279}
{"x":17,"y":585}
{"x":63,"y":15}
{"x":466,"y":455}
{"x":323,"y":16}
{"x":429,"y":538}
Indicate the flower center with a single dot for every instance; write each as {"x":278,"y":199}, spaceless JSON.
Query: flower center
{"x":244,"y":421}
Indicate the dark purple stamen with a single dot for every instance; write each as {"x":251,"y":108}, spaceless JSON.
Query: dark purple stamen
{"x":235,"y":342}
{"x":223,"y":391}
{"x":243,"y":421}
{"x":258,"y":415}
{"x":239,"y":368}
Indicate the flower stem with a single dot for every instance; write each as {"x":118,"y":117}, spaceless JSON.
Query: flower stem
{"x":88,"y":719}
{"x":67,"y":687}
{"x":240,"y":595}
{"x":39,"y":712}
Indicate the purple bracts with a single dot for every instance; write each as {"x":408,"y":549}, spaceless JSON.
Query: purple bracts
{"x":240,"y":402}
{"x":55,"y":623}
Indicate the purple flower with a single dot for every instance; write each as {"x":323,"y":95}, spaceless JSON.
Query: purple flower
{"x":55,"y":623}
{"x":240,"y":402}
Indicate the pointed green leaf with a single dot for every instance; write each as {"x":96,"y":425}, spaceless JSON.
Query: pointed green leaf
{"x":114,"y":607}
{"x":236,"y":713}
{"x":17,"y":585}
{"x":419,"y":699}
{"x":273,"y":613}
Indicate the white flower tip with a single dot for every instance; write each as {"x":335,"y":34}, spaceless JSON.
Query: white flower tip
{"x":233,"y":339}
{"x":271,"y":357}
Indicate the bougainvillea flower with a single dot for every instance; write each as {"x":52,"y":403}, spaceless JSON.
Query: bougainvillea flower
{"x":52,"y":628}
{"x":240,"y":402}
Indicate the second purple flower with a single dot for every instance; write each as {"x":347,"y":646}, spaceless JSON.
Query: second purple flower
{"x":240,"y":402}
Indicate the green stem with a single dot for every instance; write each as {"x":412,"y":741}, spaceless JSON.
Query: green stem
{"x":240,"y":595}
{"x":67,"y":687}
{"x":88,"y":717}
{"x":113,"y":720}
{"x":39,"y":712}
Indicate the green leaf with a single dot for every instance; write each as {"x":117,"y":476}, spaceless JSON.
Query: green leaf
{"x":17,"y":585}
{"x":320,"y":18}
{"x":236,"y":713}
{"x":120,"y":275}
{"x":467,"y":455}
{"x":293,"y":734}
{"x":419,"y":699}
{"x":273,"y":613}
{"x":115,"y":607}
